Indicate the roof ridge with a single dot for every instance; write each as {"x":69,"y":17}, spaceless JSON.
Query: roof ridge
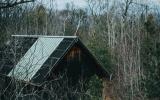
{"x":46,"y":36}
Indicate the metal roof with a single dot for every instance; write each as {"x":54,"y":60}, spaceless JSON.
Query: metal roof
{"x":35,"y":57}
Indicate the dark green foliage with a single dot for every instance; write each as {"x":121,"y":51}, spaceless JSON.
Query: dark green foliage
{"x":151,"y":64}
{"x":150,"y":58}
{"x":95,"y":88}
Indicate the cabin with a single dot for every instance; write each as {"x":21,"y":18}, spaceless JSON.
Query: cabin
{"x":37,"y":60}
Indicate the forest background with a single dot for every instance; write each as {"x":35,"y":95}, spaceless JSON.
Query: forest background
{"x":124,"y":35}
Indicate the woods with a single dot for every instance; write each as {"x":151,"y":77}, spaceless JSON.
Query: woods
{"x":124,"y":36}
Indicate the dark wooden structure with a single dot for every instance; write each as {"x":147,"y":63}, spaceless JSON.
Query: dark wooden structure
{"x":69,"y":57}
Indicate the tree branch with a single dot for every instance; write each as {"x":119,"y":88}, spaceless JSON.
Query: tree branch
{"x":8,"y":5}
{"x":127,"y":4}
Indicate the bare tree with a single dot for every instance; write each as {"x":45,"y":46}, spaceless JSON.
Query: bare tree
{"x":12,"y":3}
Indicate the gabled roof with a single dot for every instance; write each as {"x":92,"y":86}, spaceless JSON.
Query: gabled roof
{"x":36,"y":52}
